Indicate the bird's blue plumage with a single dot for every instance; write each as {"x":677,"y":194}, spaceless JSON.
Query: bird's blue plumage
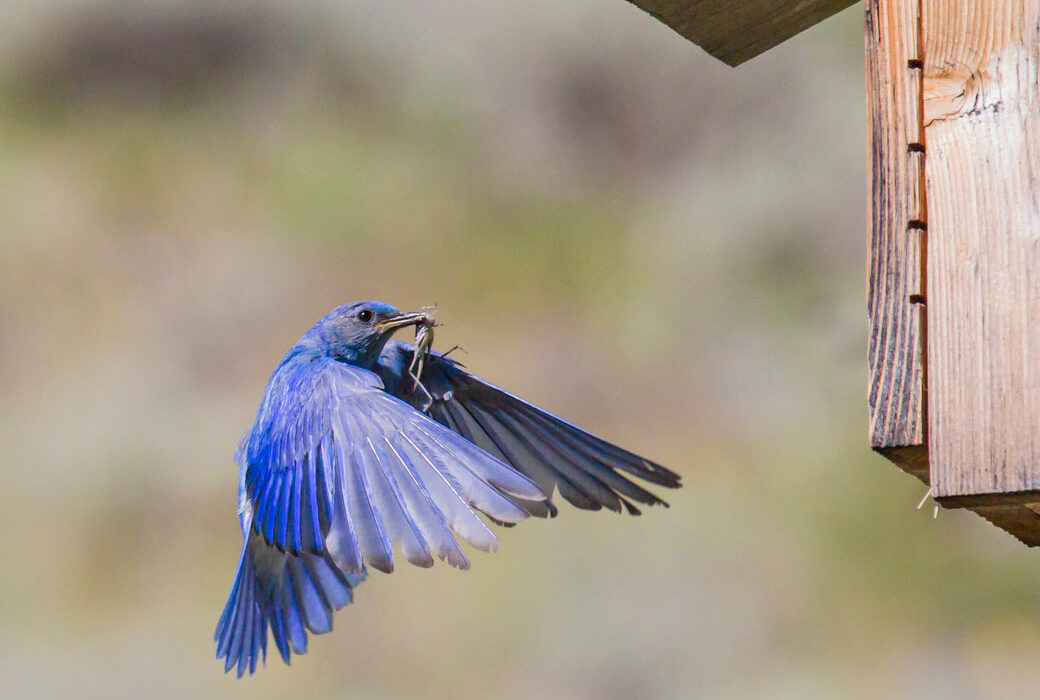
{"x":346,"y":462}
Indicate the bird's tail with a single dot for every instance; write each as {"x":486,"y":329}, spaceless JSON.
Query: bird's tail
{"x":241,"y":634}
{"x":292,"y":594}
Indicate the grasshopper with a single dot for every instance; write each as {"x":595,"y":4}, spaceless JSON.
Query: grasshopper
{"x":423,"y":343}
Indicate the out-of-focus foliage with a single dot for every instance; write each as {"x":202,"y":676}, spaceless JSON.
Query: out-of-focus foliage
{"x":614,"y":225}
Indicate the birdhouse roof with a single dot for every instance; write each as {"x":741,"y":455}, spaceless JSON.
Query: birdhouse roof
{"x":736,"y":30}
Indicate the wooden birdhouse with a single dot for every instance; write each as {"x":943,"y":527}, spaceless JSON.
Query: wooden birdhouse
{"x":953,"y":270}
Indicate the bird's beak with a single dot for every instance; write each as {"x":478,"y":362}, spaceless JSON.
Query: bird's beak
{"x":402,"y":320}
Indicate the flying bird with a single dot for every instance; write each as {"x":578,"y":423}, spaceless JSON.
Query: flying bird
{"x":354,"y":453}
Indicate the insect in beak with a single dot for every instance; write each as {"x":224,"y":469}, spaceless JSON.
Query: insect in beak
{"x":423,"y":343}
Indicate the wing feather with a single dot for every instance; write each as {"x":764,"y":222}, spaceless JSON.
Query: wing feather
{"x":284,"y":501}
{"x":455,"y":417}
{"x":421,"y":505}
{"x":368,"y":523}
{"x":310,"y":518}
{"x":447,"y":491}
{"x":609,"y":477}
{"x":589,"y":472}
{"x":480,"y":493}
{"x":272,"y":506}
{"x":341,"y":540}
{"x":515,"y":445}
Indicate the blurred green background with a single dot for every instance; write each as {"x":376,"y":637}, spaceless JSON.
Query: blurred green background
{"x":613,"y":224}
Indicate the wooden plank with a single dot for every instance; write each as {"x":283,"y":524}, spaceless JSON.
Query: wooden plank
{"x":737,"y":31}
{"x":897,"y":227}
{"x":982,"y":132}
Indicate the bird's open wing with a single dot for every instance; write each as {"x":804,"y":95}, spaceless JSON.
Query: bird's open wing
{"x":589,"y":471}
{"x":336,"y":464}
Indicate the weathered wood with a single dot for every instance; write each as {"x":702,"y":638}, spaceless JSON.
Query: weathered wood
{"x":897,"y":227}
{"x":735,"y":31}
{"x":982,"y":133}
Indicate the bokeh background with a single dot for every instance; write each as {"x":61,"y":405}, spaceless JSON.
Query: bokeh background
{"x":613,"y":224}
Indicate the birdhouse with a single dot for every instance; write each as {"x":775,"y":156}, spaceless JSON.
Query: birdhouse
{"x":953,"y":241}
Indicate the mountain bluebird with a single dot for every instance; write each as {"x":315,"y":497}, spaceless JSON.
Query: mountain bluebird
{"x":351,"y":456}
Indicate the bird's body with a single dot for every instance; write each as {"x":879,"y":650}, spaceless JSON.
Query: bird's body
{"x":350,"y":457}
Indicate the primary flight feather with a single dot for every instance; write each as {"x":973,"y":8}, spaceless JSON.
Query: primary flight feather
{"x":351,"y":457}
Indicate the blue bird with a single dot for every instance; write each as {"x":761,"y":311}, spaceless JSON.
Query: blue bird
{"x":350,"y":457}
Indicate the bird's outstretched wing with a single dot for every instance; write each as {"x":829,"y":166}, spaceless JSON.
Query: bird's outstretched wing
{"x":589,"y":471}
{"x":336,"y":465}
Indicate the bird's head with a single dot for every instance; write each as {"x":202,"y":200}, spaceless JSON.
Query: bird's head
{"x":357,"y":332}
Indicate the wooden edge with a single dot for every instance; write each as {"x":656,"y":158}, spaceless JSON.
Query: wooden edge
{"x":1020,"y":521}
{"x":734,"y":32}
{"x":895,"y":230}
{"x":913,"y":459}
{"x":1016,"y":498}
{"x":1017,"y":514}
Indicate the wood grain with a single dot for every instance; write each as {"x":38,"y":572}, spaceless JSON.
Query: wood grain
{"x":982,"y":130}
{"x":735,"y":31}
{"x":896,"y":231}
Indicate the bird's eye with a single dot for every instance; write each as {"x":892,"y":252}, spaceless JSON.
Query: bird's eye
{"x":365,"y":315}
